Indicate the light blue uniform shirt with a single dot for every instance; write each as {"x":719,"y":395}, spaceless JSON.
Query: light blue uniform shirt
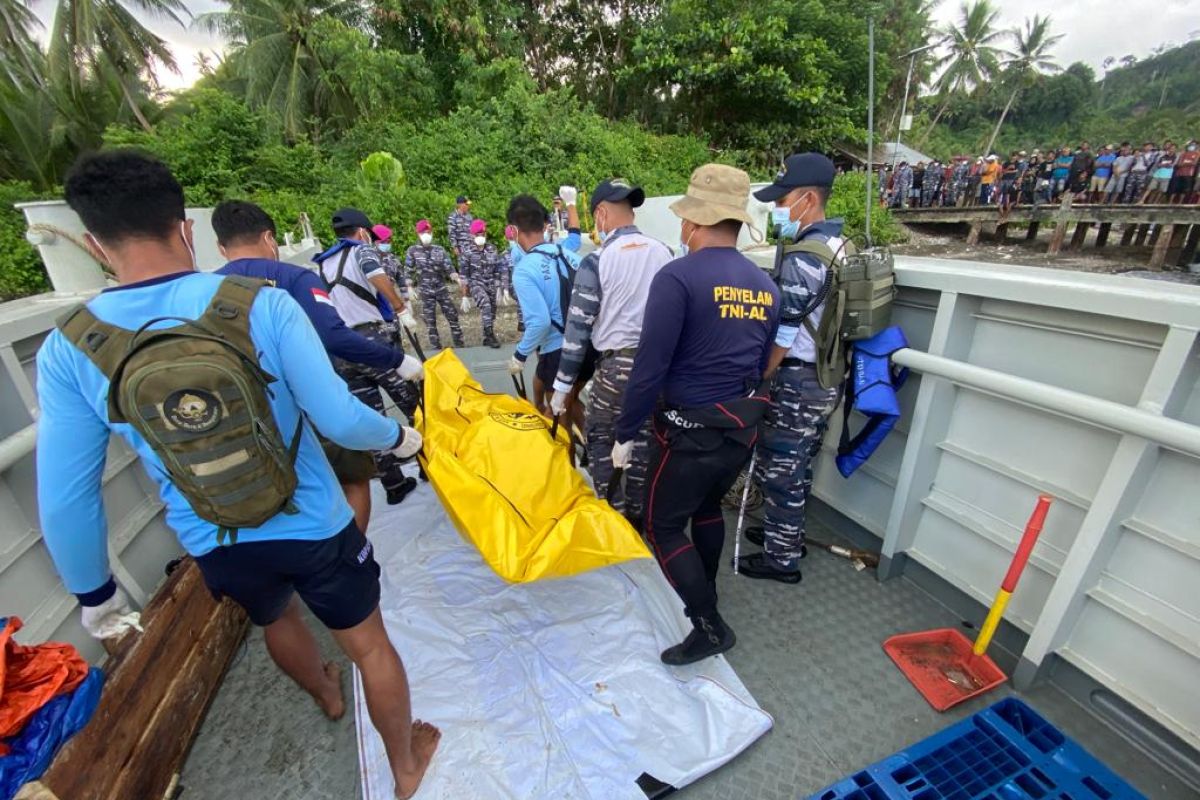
{"x":73,"y":428}
{"x":535,"y":279}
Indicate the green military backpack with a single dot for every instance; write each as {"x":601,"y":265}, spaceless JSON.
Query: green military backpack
{"x":197,"y":395}
{"x":857,"y":294}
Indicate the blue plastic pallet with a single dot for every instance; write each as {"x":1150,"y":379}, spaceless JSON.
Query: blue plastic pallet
{"x":1005,"y":752}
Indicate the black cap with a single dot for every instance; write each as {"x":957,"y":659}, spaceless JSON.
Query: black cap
{"x":801,"y":169}
{"x":615,"y":190}
{"x":350,"y":218}
{"x":462,"y":198}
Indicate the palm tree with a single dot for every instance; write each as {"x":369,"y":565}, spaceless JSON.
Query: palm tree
{"x":19,"y":53}
{"x":90,"y":37}
{"x":1030,"y":56}
{"x":973,"y":55}
{"x":274,"y":52}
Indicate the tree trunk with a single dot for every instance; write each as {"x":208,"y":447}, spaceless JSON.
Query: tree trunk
{"x":941,"y":110}
{"x":137,"y":112}
{"x":1000,"y":122}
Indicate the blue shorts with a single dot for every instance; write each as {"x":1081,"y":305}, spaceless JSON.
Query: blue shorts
{"x":337,"y":578}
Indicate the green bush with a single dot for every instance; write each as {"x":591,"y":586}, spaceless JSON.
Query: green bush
{"x":21,"y":270}
{"x":848,"y":202}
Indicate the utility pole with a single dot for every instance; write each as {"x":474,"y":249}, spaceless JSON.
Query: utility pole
{"x":870,"y":122}
{"x":912,"y":62}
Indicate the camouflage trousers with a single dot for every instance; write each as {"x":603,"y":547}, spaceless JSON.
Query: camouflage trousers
{"x":1135,"y":185}
{"x":368,"y":383}
{"x":433,"y":297}
{"x":483,"y":292}
{"x":791,"y":439}
{"x":506,"y":286}
{"x":604,"y":406}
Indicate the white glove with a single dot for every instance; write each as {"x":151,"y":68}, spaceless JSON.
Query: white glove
{"x":569,"y":195}
{"x":621,"y":454}
{"x":508,"y":298}
{"x":454,"y":276}
{"x":411,"y":369}
{"x":410,"y":445}
{"x":407,"y":319}
{"x":466,"y":304}
{"x":515,"y":366}
{"x":558,"y":403}
{"x":412,"y":292}
{"x":112,"y":618}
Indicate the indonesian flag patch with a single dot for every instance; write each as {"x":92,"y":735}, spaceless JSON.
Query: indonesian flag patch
{"x":322,"y":296}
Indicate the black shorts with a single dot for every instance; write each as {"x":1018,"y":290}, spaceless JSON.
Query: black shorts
{"x":337,"y":578}
{"x":1181,"y":184}
{"x":547,"y":368}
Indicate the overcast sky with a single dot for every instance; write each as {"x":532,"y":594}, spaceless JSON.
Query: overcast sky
{"x":1091,"y":30}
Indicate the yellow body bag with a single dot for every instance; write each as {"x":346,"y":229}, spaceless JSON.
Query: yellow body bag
{"x":510,"y":489}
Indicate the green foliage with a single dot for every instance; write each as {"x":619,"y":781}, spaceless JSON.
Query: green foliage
{"x":848,"y":202}
{"x":381,"y":173}
{"x":21,"y":270}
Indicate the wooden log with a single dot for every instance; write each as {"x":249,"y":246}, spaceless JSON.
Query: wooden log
{"x":1177,"y":237}
{"x":1032,"y":232}
{"x":1140,"y":239}
{"x":1188,"y":254}
{"x":1002,"y":232}
{"x":1159,"y":256}
{"x":1127,"y":232}
{"x":973,"y":233}
{"x":1080,"y":236}
{"x":1102,"y":234}
{"x":142,"y":685}
{"x":1056,"y":239}
{"x":1154,"y":234}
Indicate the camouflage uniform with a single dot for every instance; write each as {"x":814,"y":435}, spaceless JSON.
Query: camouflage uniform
{"x":458,"y":228}
{"x":902,"y":186}
{"x":800,"y":407}
{"x":613,"y":369}
{"x":428,"y":268}
{"x":932,"y":185}
{"x":506,"y":285}
{"x":482,"y":268}
{"x":366,"y":382}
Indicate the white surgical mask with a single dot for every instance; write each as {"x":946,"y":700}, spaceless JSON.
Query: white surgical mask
{"x":546,"y":235}
{"x":425,"y":238}
{"x":683,"y":243}
{"x":481,"y":240}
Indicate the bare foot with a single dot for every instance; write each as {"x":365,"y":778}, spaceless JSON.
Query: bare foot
{"x":425,"y":738}
{"x":333,"y":705}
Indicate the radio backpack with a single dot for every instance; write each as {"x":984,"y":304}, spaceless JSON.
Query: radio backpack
{"x":857,"y":295}
{"x":196,"y":393}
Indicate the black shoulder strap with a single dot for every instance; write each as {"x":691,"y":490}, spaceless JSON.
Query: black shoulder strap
{"x":566,"y":280}
{"x":339,"y":279}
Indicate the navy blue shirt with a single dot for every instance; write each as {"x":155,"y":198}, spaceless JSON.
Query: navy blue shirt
{"x":710,"y":322}
{"x":306,"y":287}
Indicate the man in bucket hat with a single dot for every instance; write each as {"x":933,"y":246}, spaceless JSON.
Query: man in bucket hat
{"x":710,"y":319}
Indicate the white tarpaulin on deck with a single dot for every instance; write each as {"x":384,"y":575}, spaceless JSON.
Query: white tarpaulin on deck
{"x":550,"y":689}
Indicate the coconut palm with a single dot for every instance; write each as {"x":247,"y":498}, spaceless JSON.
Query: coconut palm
{"x":90,"y":37}
{"x":19,"y":53}
{"x":973,"y":55}
{"x":1030,"y":56}
{"x":273,"y":51}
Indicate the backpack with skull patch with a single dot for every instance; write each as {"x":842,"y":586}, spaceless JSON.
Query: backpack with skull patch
{"x":198,"y":396}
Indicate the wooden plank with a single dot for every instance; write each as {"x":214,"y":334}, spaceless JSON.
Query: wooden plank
{"x":166,"y":740}
{"x":139,"y":673}
{"x":1177,"y":237}
{"x":1154,"y":234}
{"x":1032,"y":232}
{"x":1140,"y":239}
{"x":1127,"y":232}
{"x":1188,"y":254}
{"x":973,"y":233}
{"x":1080,"y":236}
{"x":1102,"y":234}
{"x":1159,"y":256}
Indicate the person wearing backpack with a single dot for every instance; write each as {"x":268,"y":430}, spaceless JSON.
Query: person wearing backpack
{"x":246,"y":237}
{"x":800,"y":404}
{"x":361,"y":290}
{"x":542,"y":276}
{"x":604,"y":323}
{"x":219,"y":384}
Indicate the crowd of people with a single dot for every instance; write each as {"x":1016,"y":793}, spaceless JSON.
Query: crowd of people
{"x":255,"y":395}
{"x":1113,"y":174}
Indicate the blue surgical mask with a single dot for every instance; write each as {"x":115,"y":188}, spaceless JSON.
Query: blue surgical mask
{"x":603,"y":235}
{"x":385,"y":247}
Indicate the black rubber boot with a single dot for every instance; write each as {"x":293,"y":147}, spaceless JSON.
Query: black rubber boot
{"x":757,"y":566}
{"x":489,"y":340}
{"x":755,"y":535}
{"x":396,"y":495}
{"x":638,"y":523}
{"x":421,"y":473}
{"x":710,"y":636}
{"x":458,"y":342}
